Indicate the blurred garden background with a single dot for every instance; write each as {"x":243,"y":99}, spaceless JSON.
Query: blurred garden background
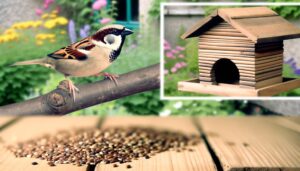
{"x":33,"y":28}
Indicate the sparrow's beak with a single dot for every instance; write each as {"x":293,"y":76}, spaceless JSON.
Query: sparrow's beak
{"x":126,"y":32}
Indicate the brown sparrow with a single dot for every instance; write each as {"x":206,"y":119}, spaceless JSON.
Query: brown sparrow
{"x":87,"y":57}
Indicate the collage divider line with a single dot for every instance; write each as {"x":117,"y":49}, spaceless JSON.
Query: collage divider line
{"x":210,"y":149}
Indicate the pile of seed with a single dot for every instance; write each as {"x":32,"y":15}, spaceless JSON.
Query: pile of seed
{"x":111,"y":145}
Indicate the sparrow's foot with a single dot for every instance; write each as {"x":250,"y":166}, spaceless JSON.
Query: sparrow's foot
{"x":72,"y":89}
{"x":112,"y":77}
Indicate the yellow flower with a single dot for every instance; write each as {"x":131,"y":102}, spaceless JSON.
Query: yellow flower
{"x":54,"y":12}
{"x":36,"y":24}
{"x":63,"y":32}
{"x":39,"y":43}
{"x":52,"y":16}
{"x":52,"y":40}
{"x":44,"y":16}
{"x":42,"y":36}
{"x":49,"y":24}
{"x":62,"y":20}
{"x":9,"y":31}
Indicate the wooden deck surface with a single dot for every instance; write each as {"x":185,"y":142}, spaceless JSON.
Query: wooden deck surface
{"x":228,"y":143}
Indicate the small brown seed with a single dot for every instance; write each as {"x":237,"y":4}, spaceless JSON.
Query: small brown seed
{"x":128,"y":166}
{"x":51,"y":163}
{"x":34,"y":163}
{"x":115,"y":165}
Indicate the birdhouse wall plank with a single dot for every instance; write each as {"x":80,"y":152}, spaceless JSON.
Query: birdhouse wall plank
{"x":267,"y":65}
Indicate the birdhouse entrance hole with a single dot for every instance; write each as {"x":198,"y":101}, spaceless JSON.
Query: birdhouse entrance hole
{"x":225,"y":71}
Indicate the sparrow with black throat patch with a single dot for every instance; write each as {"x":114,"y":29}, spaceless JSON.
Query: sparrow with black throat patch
{"x":87,"y":57}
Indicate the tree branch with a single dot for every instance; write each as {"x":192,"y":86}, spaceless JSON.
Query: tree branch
{"x":59,"y":101}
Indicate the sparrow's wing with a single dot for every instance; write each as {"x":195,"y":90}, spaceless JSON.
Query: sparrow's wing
{"x":73,"y":51}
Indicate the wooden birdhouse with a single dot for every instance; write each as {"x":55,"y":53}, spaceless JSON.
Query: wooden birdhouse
{"x":240,"y":53}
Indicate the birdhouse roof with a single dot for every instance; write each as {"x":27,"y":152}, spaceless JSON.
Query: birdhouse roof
{"x":259,"y":24}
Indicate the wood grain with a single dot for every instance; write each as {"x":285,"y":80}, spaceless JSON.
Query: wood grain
{"x":5,"y":119}
{"x":220,"y":89}
{"x":285,"y":85}
{"x":33,"y":127}
{"x":252,"y":143}
{"x":200,"y":159}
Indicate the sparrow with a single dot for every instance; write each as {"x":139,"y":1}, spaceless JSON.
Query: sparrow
{"x":87,"y":57}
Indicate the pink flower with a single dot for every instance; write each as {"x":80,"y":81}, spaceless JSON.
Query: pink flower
{"x":99,"y":4}
{"x":183,"y":64}
{"x":175,"y":51}
{"x":105,"y":20}
{"x":177,"y":65}
{"x":180,"y":48}
{"x":181,"y":56}
{"x":167,"y":45}
{"x":173,"y":70}
{"x":170,"y":55}
{"x":38,"y":11}
{"x":166,"y":72}
{"x":46,"y":6}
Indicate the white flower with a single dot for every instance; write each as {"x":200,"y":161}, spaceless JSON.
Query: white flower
{"x":165,"y":113}
{"x":178,"y":105}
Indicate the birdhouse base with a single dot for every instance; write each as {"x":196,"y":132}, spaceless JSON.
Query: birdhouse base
{"x":236,"y":90}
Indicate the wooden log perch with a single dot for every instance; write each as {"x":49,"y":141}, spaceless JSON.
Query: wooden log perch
{"x":59,"y":101}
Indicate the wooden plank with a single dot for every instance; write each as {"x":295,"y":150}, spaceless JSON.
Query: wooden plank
{"x":262,"y":83}
{"x":264,"y":54}
{"x":224,"y":37}
{"x":268,"y":69}
{"x":217,"y":57}
{"x":224,"y":29}
{"x":252,"y":143}
{"x":209,"y":79}
{"x":225,"y":52}
{"x":219,"y":33}
{"x":268,"y":82}
{"x":217,"y":48}
{"x":220,"y":89}
{"x":268,"y":59}
{"x":33,"y":127}
{"x":221,"y":55}
{"x":258,"y":79}
{"x":209,"y":61}
{"x":290,"y":122}
{"x":229,"y":44}
{"x":285,"y":85}
{"x":200,"y":159}
{"x":215,"y":40}
{"x":277,"y":62}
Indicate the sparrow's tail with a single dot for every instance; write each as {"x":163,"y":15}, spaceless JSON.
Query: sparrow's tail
{"x":31,"y":62}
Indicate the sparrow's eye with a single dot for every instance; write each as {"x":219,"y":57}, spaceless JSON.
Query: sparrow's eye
{"x":110,"y":39}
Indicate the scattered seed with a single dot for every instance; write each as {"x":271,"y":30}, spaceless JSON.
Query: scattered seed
{"x":51,"y":163}
{"x":230,"y":143}
{"x":34,"y":163}
{"x":245,"y":144}
{"x":128,"y":166}
{"x":110,"y":145}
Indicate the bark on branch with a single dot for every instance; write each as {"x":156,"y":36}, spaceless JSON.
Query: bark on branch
{"x":59,"y":101}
